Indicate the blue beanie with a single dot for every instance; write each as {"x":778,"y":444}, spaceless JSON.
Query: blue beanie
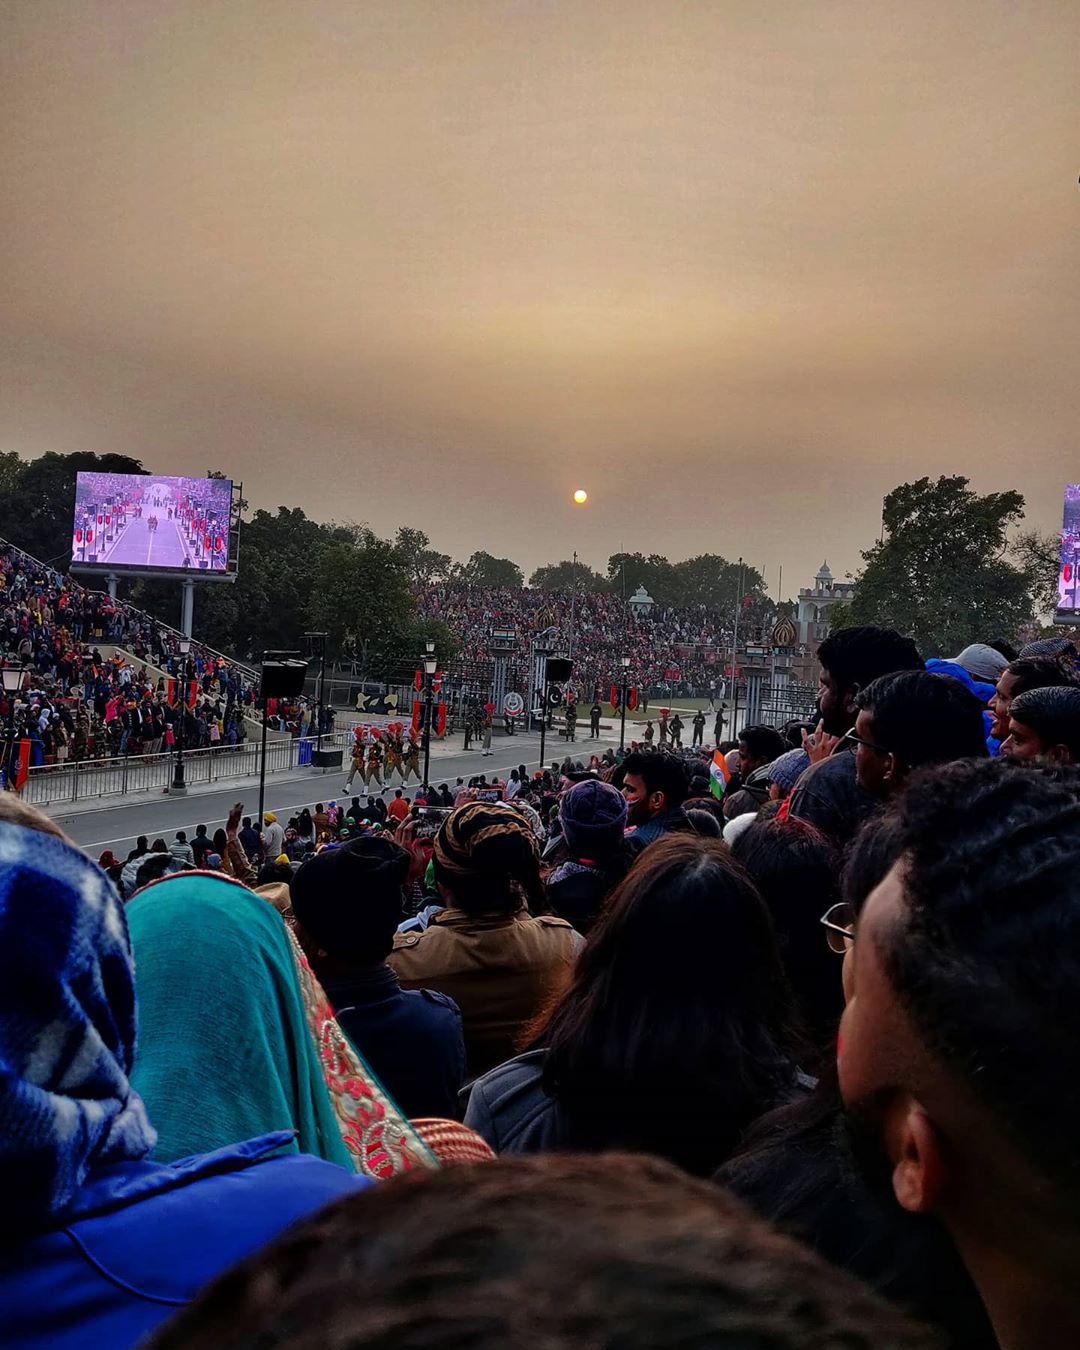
{"x":593,"y":817}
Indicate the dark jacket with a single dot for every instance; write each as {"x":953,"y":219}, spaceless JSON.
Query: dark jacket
{"x":510,"y":1109}
{"x":142,"y":1238}
{"x":411,"y":1038}
{"x":828,"y":796}
{"x":641,"y":837}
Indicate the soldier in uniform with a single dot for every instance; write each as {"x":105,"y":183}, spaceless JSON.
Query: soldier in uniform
{"x":699,"y":728}
{"x":663,"y":729}
{"x":357,"y":762}
{"x":571,"y":722}
{"x":594,"y":720}
{"x":393,"y":755}
{"x":410,"y":760}
{"x":718,"y":729}
{"x":374,"y":766}
{"x":676,"y":732}
{"x":649,"y":733}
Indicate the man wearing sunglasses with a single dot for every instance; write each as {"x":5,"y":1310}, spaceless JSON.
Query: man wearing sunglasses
{"x":908,"y":721}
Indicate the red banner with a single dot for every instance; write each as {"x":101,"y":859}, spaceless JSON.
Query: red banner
{"x":418,"y":680}
{"x":631,"y":699}
{"x":436,"y":682}
{"x":614,"y":700}
{"x":440,"y":718}
{"x":416,"y":717}
{"x":22,"y":772}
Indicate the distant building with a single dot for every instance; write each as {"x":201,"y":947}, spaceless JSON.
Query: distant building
{"x":640,"y":603}
{"x":815,"y":605}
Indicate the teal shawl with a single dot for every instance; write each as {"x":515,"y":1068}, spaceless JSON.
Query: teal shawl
{"x":225,"y":1050}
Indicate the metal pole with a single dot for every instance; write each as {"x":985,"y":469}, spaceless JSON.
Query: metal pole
{"x":543,"y":716}
{"x":179,"y":787}
{"x":322,"y":693}
{"x":262,"y":767}
{"x":573,"y":602}
{"x":734,"y":656}
{"x":427,"y":730}
{"x":622,"y":717}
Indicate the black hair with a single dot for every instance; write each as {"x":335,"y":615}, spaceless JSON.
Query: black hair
{"x":763,"y":743}
{"x":705,"y":823}
{"x":272,"y":872}
{"x":985,"y":952}
{"x":478,"y":1255}
{"x":869,"y":857}
{"x":924,"y":719}
{"x":247,"y":824}
{"x":662,"y":1042}
{"x":660,"y":772}
{"x":1007,"y":650}
{"x":1039,"y":672}
{"x":181,"y":837}
{"x":795,"y":868}
{"x":1053,"y":713}
{"x":153,"y":869}
{"x":856,"y":656}
{"x":200,"y":831}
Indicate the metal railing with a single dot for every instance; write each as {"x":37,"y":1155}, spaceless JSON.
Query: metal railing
{"x":81,"y":780}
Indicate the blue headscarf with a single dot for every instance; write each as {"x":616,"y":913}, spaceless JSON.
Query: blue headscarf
{"x":67,"y":1028}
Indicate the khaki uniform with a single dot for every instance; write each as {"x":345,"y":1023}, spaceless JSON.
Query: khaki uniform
{"x":498,"y":969}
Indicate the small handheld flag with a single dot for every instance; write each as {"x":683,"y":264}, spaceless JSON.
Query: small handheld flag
{"x":719,"y":775}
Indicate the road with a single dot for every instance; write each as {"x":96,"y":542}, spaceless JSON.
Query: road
{"x":140,"y":546}
{"x":117,"y":826}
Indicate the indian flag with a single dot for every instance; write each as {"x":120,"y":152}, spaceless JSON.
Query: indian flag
{"x":719,"y":775}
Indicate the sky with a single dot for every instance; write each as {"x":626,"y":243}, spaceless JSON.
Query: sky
{"x":736,"y":268}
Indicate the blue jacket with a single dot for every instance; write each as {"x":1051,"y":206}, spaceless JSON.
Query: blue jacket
{"x":143,"y":1238}
{"x":411,"y":1038}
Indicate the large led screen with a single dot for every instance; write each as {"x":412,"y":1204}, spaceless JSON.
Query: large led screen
{"x":1068,"y":588}
{"x":150,"y":522}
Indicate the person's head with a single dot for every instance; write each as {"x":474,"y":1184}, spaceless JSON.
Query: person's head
{"x":960,"y":1052}
{"x":654,"y":783}
{"x":1061,"y":648}
{"x":319,"y":808}
{"x":704,"y":822}
{"x":269,"y":818}
{"x":850,"y":660}
{"x":348,"y":902}
{"x":398,"y":792}
{"x":246,"y":824}
{"x":274,"y":874}
{"x":486,"y":859}
{"x":221,"y":841}
{"x":141,"y":845}
{"x":911,"y":720}
{"x":795,"y":869}
{"x":479,"y":1255}
{"x":593,"y":819}
{"x":181,"y":837}
{"x":688,"y":1039}
{"x":758,"y":746}
{"x":157,"y":865}
{"x":159,"y":846}
{"x":200,"y":831}
{"x":1045,"y":724}
{"x":785,"y":771}
{"x":66,"y":980}
{"x":1029,"y":672}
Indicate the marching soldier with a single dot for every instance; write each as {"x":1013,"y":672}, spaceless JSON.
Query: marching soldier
{"x":393,"y":755}
{"x":571,"y":722}
{"x":410,"y":760}
{"x":374,"y":766}
{"x":357,"y":762}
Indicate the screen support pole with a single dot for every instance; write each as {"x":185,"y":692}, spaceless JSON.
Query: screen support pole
{"x":188,"y":610}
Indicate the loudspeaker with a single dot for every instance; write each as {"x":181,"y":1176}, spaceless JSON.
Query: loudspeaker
{"x":326,"y":759}
{"x":282,"y":679}
{"x":559,"y":669}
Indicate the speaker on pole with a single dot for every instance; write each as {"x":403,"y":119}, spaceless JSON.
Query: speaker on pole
{"x":283,"y":679}
{"x":559,"y":669}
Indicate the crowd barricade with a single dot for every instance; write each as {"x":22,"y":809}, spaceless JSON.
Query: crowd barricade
{"x":88,"y":779}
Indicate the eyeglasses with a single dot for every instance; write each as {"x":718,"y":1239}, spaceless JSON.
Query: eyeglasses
{"x":861,"y":740}
{"x":839,"y":924}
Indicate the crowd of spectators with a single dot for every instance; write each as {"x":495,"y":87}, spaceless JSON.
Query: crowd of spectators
{"x":672,"y":651}
{"x":75,"y":702}
{"x":541,"y":1059}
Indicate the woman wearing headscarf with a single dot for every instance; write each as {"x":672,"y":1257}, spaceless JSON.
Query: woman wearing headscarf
{"x":99,"y":1243}
{"x":238,"y":1038}
{"x":496,"y":960}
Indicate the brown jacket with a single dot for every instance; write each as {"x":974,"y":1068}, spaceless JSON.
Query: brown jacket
{"x":498,"y":968}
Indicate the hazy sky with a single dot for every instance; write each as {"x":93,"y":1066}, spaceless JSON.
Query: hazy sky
{"x":737,"y":268}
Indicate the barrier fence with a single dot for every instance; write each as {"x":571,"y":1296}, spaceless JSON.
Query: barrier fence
{"x":81,"y":780}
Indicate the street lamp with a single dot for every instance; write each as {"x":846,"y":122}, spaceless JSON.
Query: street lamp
{"x":429,"y":670}
{"x":13,"y":676}
{"x":322,"y":683}
{"x":179,"y":787}
{"x":625,"y":663}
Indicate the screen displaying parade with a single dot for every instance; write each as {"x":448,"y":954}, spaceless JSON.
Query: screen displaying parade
{"x":152,"y":522}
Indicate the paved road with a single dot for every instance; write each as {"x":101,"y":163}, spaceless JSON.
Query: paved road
{"x":117,"y":826}
{"x":140,"y":546}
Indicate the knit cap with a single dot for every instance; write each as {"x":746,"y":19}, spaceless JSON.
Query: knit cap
{"x":341,"y":894}
{"x":593,"y":816}
{"x":786,"y":770}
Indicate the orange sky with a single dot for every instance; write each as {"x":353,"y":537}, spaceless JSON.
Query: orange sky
{"x":737,"y":268}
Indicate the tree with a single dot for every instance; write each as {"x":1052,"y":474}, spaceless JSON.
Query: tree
{"x":940,"y":571}
{"x":38,"y":506}
{"x":1039,"y":555}
{"x":361,"y":597}
{"x":711,"y":580}
{"x":568,"y":575}
{"x":628,"y":571}
{"x":484,"y":570}
{"x":424,"y":563}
